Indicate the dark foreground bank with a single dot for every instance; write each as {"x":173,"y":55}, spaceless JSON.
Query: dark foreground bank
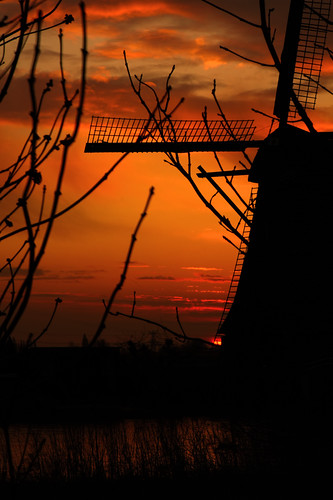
{"x":285,"y":439}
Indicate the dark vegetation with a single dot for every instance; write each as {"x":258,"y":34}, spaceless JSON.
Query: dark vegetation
{"x":174,"y":419}
{"x":91,"y":384}
{"x":141,"y":379}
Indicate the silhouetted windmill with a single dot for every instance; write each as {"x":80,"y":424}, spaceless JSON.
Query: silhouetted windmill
{"x":280,"y":244}
{"x":278,"y":300}
{"x":279,"y":325}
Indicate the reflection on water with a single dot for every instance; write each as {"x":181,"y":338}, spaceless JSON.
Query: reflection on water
{"x":133,"y":448}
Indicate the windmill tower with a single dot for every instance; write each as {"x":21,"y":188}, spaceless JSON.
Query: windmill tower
{"x":281,"y":298}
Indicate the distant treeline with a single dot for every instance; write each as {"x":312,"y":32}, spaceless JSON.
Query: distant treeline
{"x":93,"y":383}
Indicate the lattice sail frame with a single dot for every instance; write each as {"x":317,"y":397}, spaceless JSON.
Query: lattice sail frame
{"x":310,"y":52}
{"x":125,"y":130}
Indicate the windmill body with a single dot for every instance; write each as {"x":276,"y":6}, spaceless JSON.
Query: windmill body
{"x":278,"y":331}
{"x":282,"y":309}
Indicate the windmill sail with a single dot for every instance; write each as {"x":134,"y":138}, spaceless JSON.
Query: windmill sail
{"x":302,"y":56}
{"x":114,"y":135}
{"x":288,"y":61}
{"x":310,"y":52}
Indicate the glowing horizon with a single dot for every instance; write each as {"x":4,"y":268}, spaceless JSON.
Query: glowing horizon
{"x":180,"y":250}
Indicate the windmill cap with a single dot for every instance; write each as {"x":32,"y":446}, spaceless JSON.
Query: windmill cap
{"x":290,"y":150}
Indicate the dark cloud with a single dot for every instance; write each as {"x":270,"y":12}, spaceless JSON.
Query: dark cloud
{"x":159,"y":278}
{"x":214,"y":277}
{"x":68,"y":298}
{"x":5,"y":273}
{"x":45,"y":274}
{"x":71,"y":276}
{"x":134,"y":263}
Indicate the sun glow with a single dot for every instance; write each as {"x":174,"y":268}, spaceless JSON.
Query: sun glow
{"x":217,"y":341}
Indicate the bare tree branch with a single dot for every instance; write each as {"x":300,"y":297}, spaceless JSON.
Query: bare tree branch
{"x":269,"y":42}
{"x":23,"y":19}
{"x":34,"y":253}
{"x":226,"y":49}
{"x":242,"y":19}
{"x":179,"y":336}
{"x":119,"y":285}
{"x":265,"y":27}
{"x":33,"y":341}
{"x":75,"y":203}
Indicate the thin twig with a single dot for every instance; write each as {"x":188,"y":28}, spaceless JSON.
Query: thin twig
{"x":32,"y":341}
{"x":23,"y":294}
{"x":254,"y":61}
{"x":23,"y":21}
{"x":226,"y":122}
{"x":31,"y":23}
{"x":133,"y":304}
{"x":76,"y":202}
{"x":163,"y":327}
{"x":119,"y":285}
{"x":228,"y":181}
{"x":179,"y":323}
{"x":242,"y":19}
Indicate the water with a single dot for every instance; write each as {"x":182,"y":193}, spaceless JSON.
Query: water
{"x":132,"y":448}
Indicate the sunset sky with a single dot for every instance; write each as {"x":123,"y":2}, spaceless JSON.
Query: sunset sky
{"x":180,"y":259}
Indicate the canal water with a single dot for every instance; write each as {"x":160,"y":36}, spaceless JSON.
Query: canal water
{"x":137,"y":448}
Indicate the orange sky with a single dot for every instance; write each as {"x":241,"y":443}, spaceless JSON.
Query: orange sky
{"x":180,"y":259}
